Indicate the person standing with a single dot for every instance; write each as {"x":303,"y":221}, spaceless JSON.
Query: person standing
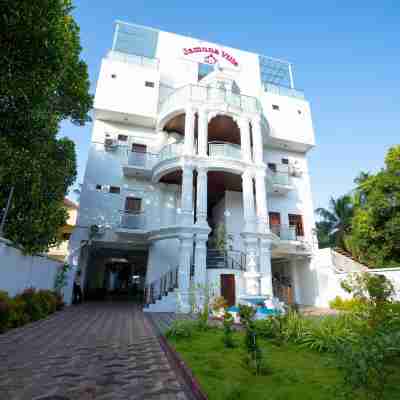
{"x":77,"y":291}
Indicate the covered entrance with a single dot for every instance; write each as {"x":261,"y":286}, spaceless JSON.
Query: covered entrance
{"x":115,"y":274}
{"x":282,"y":281}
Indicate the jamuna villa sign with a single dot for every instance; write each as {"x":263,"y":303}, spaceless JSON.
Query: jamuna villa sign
{"x":210,"y":55}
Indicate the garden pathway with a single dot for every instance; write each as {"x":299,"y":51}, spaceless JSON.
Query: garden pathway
{"x":92,"y":351}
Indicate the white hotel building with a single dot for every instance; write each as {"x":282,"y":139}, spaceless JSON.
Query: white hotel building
{"x":189,"y":136}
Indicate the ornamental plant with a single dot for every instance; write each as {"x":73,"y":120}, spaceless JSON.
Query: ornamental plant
{"x":228,"y":330}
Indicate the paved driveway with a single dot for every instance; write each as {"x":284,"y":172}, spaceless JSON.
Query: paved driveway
{"x":92,"y":351}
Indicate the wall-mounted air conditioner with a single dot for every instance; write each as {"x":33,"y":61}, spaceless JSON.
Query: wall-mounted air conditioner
{"x":294,"y":169}
{"x":110,"y":143}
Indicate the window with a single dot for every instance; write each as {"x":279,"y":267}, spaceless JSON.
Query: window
{"x":66,"y":236}
{"x":285,"y":161}
{"x":139,"y":148}
{"x":299,"y":112}
{"x":297,"y":221}
{"x":274,"y":218}
{"x":272,"y":167}
{"x":122,"y":138}
{"x":275,"y":107}
{"x":98,"y":187}
{"x":115,"y":189}
{"x":113,"y":76}
{"x":204,"y":70}
{"x":133,"y":205}
{"x":149,"y":84}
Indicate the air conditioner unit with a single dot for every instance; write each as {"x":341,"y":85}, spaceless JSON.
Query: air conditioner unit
{"x":110,"y":144}
{"x":295,"y":170}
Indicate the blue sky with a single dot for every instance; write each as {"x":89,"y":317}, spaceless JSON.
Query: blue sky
{"x":346,"y":57}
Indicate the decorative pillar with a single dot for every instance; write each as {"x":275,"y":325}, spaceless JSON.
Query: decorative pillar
{"x":189,"y":131}
{"x":248,"y":202}
{"x":252,"y":276}
{"x":258,"y":147}
{"x":200,"y":259}
{"x":187,"y":195}
{"x":201,"y":206}
{"x":245,"y":138}
{"x":261,"y":200}
{"x":185,"y":260}
{"x":202,"y":132}
{"x":295,"y":278}
{"x":265,"y":267}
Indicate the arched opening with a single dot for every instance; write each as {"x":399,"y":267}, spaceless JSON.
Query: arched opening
{"x":223,"y":128}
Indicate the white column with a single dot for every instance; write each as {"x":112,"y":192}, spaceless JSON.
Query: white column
{"x":258,"y":147}
{"x":201,"y":206}
{"x":189,"y":131}
{"x":265,"y":267}
{"x":295,"y":280}
{"x":185,"y":258}
{"x":200,"y":257}
{"x":261,"y":200}
{"x":251,"y":275}
{"x":187,"y":195}
{"x":245,"y":138}
{"x":202,"y":132}
{"x":248,"y":202}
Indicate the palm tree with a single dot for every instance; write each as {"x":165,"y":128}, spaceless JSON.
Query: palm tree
{"x":335,"y":221}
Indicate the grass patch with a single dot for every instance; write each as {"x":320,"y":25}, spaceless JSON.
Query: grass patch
{"x":295,"y":373}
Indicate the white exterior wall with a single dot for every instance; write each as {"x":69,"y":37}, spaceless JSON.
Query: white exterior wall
{"x":18,"y":272}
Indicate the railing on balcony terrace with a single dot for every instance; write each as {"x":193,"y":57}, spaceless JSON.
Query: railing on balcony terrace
{"x":170,"y":151}
{"x":279,"y":177}
{"x":203,"y":94}
{"x":133,"y":220}
{"x":223,"y":149}
{"x":283,"y":90}
{"x":142,"y":160}
{"x":134,"y":59}
{"x":286,"y":232}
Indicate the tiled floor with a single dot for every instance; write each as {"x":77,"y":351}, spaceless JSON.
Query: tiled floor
{"x":91,"y":351}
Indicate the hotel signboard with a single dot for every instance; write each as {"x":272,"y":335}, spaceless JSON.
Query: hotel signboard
{"x":209,"y":54}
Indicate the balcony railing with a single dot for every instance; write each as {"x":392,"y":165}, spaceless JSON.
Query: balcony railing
{"x":283,"y":91}
{"x":214,"y":96}
{"x":286,"y":232}
{"x":223,"y":149}
{"x":133,"y":220}
{"x":134,"y":59}
{"x":171,"y":151}
{"x":279,"y":178}
{"x":142,"y":160}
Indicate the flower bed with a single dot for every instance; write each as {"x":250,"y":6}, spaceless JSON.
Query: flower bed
{"x":30,"y":305}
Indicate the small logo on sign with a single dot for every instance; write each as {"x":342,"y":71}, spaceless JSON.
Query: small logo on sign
{"x":210,"y":59}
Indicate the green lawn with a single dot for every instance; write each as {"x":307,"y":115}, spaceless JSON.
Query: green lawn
{"x":296,"y":373}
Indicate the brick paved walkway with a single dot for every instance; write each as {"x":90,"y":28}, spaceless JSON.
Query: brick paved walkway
{"x":92,"y":351}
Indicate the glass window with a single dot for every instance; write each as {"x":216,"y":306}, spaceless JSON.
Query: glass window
{"x":115,"y":189}
{"x":275,"y":107}
{"x":133,"y":205}
{"x":204,"y":69}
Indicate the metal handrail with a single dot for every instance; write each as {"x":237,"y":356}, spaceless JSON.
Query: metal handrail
{"x":286,"y":232}
{"x":160,"y":287}
{"x":228,"y":260}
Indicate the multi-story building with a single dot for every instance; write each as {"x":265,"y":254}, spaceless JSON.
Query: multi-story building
{"x":196,"y":144}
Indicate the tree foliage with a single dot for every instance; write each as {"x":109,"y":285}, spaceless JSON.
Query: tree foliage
{"x":336,"y":221}
{"x":367,"y":222}
{"x":375,"y":228}
{"x":42,"y":82}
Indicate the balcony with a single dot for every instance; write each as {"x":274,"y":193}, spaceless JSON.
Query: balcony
{"x":285,"y":232}
{"x":139,"y":164}
{"x":224,"y":150}
{"x":172,"y":150}
{"x":283,"y":91}
{"x":279,"y":181}
{"x":216,"y":98}
{"x":133,"y":221}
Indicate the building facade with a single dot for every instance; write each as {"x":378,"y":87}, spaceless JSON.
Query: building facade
{"x":197,"y":174}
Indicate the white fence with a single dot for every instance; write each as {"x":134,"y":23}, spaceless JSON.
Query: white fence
{"x":333,"y":267}
{"x":18,"y":272}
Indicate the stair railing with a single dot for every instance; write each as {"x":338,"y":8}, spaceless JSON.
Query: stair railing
{"x":160,"y":287}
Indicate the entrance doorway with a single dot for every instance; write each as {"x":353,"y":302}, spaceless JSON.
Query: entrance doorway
{"x":228,"y":288}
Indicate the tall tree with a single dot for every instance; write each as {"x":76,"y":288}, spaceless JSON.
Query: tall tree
{"x":375,"y":237}
{"x":42,"y":82}
{"x":335,"y":222}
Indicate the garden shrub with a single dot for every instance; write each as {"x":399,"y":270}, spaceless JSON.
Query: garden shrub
{"x":352,"y":305}
{"x":228,"y":331}
{"x":5,"y":311}
{"x":182,"y":328}
{"x":30,"y":305}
